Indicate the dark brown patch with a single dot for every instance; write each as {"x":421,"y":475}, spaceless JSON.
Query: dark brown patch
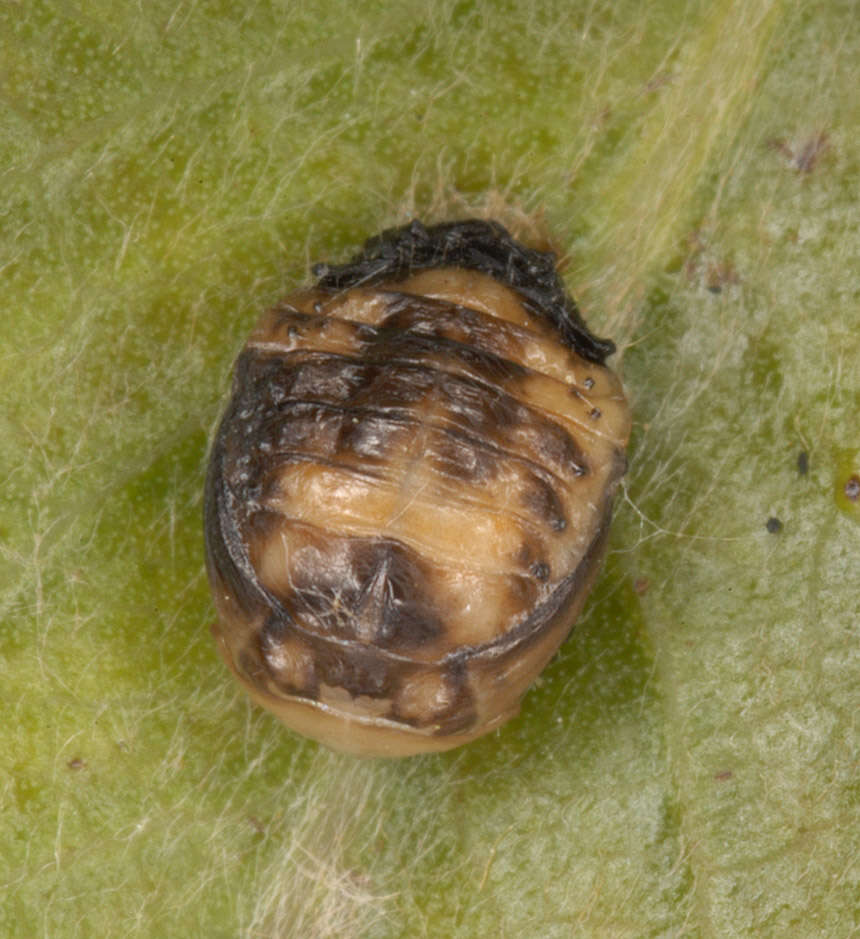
{"x":261,"y":526}
{"x":320,"y":376}
{"x":477,"y":407}
{"x":852,"y":488}
{"x":439,"y":319}
{"x":330,"y":434}
{"x":366,"y":435}
{"x":423,"y":350}
{"x":265,"y":384}
{"x":249,"y":663}
{"x":300,"y":427}
{"x":530,"y":558}
{"x":803,"y":462}
{"x":474,"y":407}
{"x":773,"y":525}
{"x":541,"y":571}
{"x":76,"y":763}
{"x":555,"y":448}
{"x":358,"y":669}
{"x":289,"y":320}
{"x":460,"y":715}
{"x":370,"y":590}
{"x":458,"y":456}
{"x":387,"y":385}
{"x":541,"y":498}
{"x":641,"y":585}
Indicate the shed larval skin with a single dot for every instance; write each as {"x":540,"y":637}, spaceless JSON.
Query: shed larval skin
{"x":410,"y":491}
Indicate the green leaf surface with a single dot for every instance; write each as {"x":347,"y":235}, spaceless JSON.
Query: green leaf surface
{"x":688,"y":764}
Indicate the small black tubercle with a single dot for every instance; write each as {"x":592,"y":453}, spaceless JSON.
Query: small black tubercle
{"x":474,"y":244}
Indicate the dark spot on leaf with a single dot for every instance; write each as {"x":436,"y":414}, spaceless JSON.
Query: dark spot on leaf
{"x":803,"y":156}
{"x":774,"y":525}
{"x":257,"y":825}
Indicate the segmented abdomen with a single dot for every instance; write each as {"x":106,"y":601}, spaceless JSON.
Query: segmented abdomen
{"x":407,"y":500}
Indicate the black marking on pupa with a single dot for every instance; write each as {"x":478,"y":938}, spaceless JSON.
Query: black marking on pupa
{"x":476,"y":245}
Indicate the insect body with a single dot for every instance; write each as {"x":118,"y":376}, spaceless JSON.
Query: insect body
{"x":409,"y":493}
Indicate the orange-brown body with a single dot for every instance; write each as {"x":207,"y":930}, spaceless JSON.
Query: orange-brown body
{"x":408,"y":500}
